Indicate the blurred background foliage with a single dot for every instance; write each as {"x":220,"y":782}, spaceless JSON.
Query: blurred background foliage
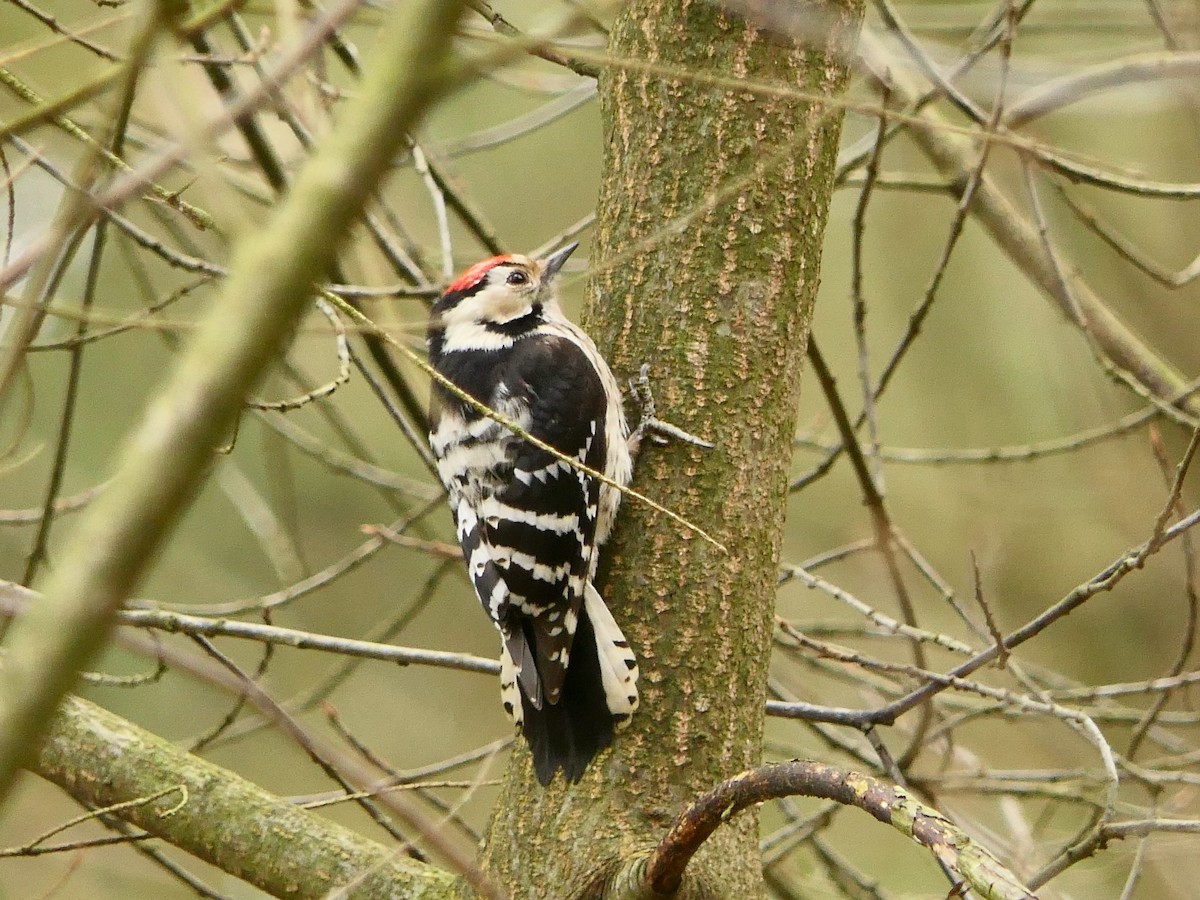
{"x":995,"y":366}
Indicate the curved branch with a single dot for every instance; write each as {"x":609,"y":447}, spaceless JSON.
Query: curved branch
{"x":1077,"y":86}
{"x":888,"y":803}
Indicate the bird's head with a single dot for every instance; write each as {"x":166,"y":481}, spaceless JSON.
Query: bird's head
{"x":501,"y":293}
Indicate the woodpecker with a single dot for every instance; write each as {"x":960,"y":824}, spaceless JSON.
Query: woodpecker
{"x":531,"y":525}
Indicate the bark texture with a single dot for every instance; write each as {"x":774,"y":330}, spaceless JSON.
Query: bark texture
{"x":711,"y":216}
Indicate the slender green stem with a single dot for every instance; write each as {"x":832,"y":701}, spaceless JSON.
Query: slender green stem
{"x":168,"y":455}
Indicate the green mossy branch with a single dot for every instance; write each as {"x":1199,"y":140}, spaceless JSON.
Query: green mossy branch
{"x":220,"y":817}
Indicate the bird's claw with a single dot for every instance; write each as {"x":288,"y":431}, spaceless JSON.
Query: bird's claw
{"x":650,"y":425}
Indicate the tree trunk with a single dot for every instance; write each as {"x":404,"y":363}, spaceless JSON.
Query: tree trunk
{"x":705,"y":265}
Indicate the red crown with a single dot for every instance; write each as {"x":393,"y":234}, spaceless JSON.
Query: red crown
{"x":476,"y":273}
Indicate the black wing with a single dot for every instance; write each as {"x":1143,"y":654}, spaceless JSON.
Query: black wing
{"x":540,"y":527}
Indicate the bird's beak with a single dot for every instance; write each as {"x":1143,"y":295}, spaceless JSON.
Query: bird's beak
{"x":552,"y":263}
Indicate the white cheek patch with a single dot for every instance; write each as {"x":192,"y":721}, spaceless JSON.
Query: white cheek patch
{"x":473,"y":336}
{"x":511,"y":309}
{"x":495,"y":303}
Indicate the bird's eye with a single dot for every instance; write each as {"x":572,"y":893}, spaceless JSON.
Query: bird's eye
{"x":517,"y":278}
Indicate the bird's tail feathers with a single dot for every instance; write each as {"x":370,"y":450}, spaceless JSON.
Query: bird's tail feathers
{"x":568,"y":734}
{"x":618,"y":665}
{"x":598,"y":693}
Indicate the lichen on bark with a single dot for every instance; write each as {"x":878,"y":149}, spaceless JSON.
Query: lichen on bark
{"x":705,"y":265}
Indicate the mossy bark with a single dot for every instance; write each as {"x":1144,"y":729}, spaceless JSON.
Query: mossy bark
{"x":705,"y":265}
{"x":216,"y":815}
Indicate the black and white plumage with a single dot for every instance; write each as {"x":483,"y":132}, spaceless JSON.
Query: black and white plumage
{"x":531,"y":525}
